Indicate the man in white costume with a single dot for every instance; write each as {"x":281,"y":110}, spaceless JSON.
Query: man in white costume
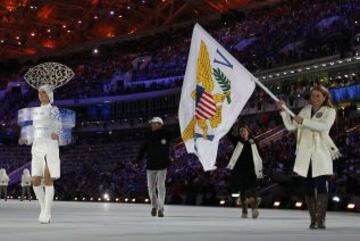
{"x":45,"y":161}
{"x":45,"y":164}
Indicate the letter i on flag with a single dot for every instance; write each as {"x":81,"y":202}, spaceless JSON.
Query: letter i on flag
{"x":216,"y":88}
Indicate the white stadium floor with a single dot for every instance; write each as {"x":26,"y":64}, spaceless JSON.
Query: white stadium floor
{"x":82,"y":221}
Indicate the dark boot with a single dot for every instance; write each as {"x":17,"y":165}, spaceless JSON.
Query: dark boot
{"x":254,"y":207}
{"x":321,"y":204}
{"x":311,"y":204}
{"x":153,"y":212}
{"x":161,"y":213}
{"x":244,"y":207}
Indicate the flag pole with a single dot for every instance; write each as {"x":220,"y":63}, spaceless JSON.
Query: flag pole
{"x":262,"y":86}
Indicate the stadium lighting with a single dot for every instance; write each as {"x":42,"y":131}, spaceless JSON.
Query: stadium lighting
{"x":83,"y":198}
{"x":298,"y":204}
{"x":99,"y":199}
{"x":351,"y":206}
{"x":126,"y":200}
{"x":336,"y":199}
{"x":222,"y":202}
{"x":133,"y":200}
{"x":146,"y":200}
{"x":106,"y":196}
{"x":112,"y":12}
{"x":276,"y":204}
{"x":95,"y":51}
{"x":75,"y":198}
{"x":117,"y":199}
{"x":235,"y":195}
{"x":56,"y":198}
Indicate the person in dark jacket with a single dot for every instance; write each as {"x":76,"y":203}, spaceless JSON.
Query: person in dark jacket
{"x":246,"y":168}
{"x":156,"y":148}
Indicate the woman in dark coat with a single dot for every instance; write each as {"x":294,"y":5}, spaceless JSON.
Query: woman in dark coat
{"x":246,"y":169}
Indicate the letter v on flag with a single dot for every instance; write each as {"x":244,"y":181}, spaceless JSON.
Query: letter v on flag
{"x":216,"y":88}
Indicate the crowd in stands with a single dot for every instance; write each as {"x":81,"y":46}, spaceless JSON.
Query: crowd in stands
{"x":266,"y":38}
{"x":98,"y":164}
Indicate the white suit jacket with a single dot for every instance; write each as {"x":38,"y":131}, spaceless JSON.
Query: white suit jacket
{"x":313,"y":141}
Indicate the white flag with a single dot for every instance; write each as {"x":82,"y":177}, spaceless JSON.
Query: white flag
{"x":216,"y":88}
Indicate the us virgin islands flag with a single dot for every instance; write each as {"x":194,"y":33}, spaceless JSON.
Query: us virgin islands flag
{"x":216,"y":88}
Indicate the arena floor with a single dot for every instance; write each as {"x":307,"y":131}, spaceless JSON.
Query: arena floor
{"x":81,"y":221}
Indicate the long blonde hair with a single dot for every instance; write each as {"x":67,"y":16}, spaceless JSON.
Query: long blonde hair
{"x":325,"y":92}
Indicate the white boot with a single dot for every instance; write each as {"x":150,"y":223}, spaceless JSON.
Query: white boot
{"x":49,"y":196}
{"x":40,"y":196}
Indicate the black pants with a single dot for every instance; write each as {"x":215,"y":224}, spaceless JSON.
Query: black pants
{"x":248,"y":192}
{"x":315,"y":183}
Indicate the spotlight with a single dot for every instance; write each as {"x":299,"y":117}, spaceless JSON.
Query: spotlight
{"x":276,"y":204}
{"x":298,"y":204}
{"x":133,"y":200}
{"x":117,"y":199}
{"x":235,"y":195}
{"x":126,"y":200}
{"x":146,"y":200}
{"x":56,"y":198}
{"x":95,"y":51}
{"x":351,"y":206}
{"x":99,"y":199}
{"x":112,"y":12}
{"x":222,"y":202}
{"x":106,"y":196}
{"x":336,"y":199}
{"x":91,"y":199}
{"x":83,"y":199}
{"x":79,"y":22}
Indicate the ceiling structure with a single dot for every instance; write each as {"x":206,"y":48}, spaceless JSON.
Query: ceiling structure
{"x":38,"y":27}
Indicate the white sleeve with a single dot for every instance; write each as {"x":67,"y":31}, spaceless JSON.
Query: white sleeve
{"x":56,"y":118}
{"x":289,"y":124}
{"x":321,"y":124}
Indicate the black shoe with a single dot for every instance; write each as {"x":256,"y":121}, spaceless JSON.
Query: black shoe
{"x":153,"y":212}
{"x":321,"y":225}
{"x":160,"y":213}
{"x":312,"y":225}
